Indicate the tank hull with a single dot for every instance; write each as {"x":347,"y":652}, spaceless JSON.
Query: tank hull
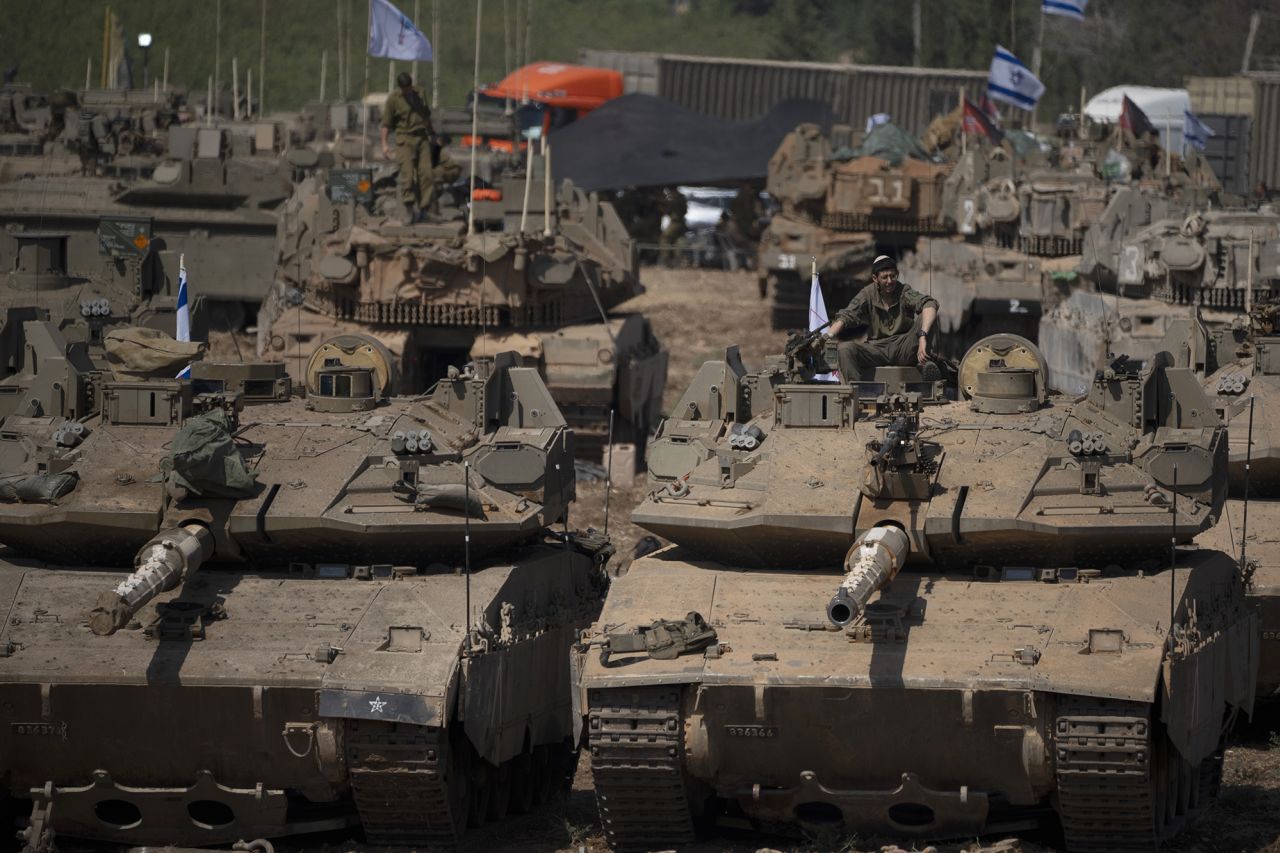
{"x":347,"y":701}
{"x":972,"y":686}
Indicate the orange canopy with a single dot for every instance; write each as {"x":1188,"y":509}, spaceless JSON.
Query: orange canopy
{"x":559,"y":84}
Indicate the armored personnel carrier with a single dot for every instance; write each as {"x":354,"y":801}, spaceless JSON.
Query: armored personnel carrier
{"x":355,"y":600}
{"x":539,"y":274}
{"x":836,"y":210}
{"x":852,"y":559}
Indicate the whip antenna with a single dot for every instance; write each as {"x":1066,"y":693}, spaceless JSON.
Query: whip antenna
{"x":1248,"y":458}
{"x":466,"y":541}
{"x":608,"y":476}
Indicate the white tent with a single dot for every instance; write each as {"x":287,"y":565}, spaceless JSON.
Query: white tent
{"x":1165,"y":107}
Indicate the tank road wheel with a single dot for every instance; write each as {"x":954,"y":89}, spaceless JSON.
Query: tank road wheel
{"x":500,"y":791}
{"x":481,"y":792}
{"x":522,"y":783}
{"x":1122,"y":785}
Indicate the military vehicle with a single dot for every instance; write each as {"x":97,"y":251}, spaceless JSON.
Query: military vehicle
{"x":999,"y":566}
{"x":1147,"y":263}
{"x":437,"y":296}
{"x":836,"y":203}
{"x":354,"y":600}
{"x":981,"y":289}
{"x":206,"y":193}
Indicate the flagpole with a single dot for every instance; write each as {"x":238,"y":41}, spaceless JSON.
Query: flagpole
{"x":475,"y":128}
{"x":435,"y":48}
{"x":364,"y":107}
{"x":1035,"y":68}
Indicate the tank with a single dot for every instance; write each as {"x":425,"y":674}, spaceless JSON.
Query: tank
{"x":981,"y":289}
{"x":435,"y":294}
{"x":1141,"y":274}
{"x":208,"y":194}
{"x":347,"y":609}
{"x":990,"y":579}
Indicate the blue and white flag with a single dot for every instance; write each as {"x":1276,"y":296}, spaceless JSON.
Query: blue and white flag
{"x":182,"y":318}
{"x":1195,"y":132}
{"x":393,"y":36}
{"x":1065,"y":8}
{"x":1012,"y":82}
{"x":818,"y":316}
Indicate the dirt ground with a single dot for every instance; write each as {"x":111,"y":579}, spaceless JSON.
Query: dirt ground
{"x":697,"y":314}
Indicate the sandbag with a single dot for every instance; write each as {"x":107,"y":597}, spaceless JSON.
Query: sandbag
{"x":137,"y":353}
{"x":36,"y":488}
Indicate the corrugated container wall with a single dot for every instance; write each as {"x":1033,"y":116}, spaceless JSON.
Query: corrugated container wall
{"x":1264,"y":152}
{"x":748,"y":88}
{"x":1224,"y":96}
{"x":639,"y":70}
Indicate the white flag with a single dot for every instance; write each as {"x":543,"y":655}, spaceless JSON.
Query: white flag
{"x":1066,"y":8}
{"x":393,"y":36}
{"x":818,"y":317}
{"x":1195,"y":132}
{"x":1012,"y":82}
{"x":182,"y":319}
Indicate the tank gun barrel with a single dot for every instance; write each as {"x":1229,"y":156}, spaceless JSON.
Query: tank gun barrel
{"x":164,"y":562}
{"x":872,"y":562}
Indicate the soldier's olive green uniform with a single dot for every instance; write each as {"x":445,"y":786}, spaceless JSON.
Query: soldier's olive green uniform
{"x":411,"y":123}
{"x":891,"y":331}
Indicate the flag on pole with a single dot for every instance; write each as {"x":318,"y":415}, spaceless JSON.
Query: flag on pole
{"x":393,"y":36}
{"x":1134,"y":120}
{"x":182,"y":318}
{"x":977,"y":123}
{"x":818,"y":315}
{"x":1194,"y":131}
{"x":989,"y":110}
{"x":1065,"y":8}
{"x":1012,"y":82}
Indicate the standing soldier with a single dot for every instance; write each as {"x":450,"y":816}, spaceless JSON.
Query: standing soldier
{"x":408,"y":115}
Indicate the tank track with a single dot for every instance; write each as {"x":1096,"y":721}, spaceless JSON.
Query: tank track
{"x":1122,"y":785}
{"x":398,"y":784}
{"x":1105,"y":796}
{"x":636,"y":740}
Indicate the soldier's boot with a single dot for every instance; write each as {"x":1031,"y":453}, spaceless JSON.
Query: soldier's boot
{"x":929,"y":370}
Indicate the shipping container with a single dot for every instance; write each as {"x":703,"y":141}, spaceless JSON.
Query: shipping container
{"x":747,"y":88}
{"x":1264,"y":149}
{"x":639,"y":70}
{"x":1223,"y":96}
{"x":1228,"y":150}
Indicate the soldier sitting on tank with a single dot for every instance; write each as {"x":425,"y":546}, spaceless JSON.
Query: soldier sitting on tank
{"x":898,"y":320}
{"x":407,"y":115}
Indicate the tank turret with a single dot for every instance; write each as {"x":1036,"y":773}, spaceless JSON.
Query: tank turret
{"x":538,"y":273}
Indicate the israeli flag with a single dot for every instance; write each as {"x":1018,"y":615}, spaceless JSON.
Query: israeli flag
{"x":1012,"y":82}
{"x":182,"y":319}
{"x":818,"y":316}
{"x":393,"y":36}
{"x":1195,"y":132}
{"x":1065,"y":8}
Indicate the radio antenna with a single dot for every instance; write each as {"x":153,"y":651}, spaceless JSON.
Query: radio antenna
{"x":1173,"y":555}
{"x":466,"y":542}
{"x":1248,"y":459}
{"x":608,"y":476}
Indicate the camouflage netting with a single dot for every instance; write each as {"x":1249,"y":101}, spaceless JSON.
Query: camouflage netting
{"x":888,"y":142}
{"x":137,"y":353}
{"x":204,"y":460}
